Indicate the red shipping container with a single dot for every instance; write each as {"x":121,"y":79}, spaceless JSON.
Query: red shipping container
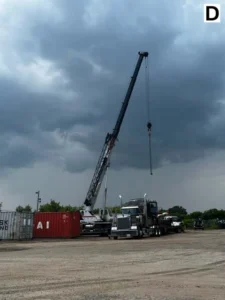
{"x":56,"y":224}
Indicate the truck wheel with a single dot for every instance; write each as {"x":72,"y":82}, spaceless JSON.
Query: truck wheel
{"x":115,"y":237}
{"x":159,"y":232}
{"x":140,"y":234}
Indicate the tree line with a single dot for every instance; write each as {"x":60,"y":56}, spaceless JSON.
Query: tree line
{"x":54,"y":206}
{"x":179,"y":211}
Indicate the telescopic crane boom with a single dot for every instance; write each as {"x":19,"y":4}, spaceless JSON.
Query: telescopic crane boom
{"x":110,"y":139}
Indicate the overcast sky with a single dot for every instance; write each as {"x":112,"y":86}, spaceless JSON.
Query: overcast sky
{"x":65,"y":67}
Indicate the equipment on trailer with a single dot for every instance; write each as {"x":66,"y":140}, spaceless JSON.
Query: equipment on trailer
{"x":103,"y":226}
{"x":199,"y":224}
{"x":139,"y":217}
{"x":177,"y":225}
{"x":220,"y":223}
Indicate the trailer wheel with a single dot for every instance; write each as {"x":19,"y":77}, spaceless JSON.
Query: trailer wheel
{"x":115,"y":237}
{"x":159,"y":232}
{"x":140,"y":234}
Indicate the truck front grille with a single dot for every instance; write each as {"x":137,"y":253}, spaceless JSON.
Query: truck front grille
{"x":123,"y":223}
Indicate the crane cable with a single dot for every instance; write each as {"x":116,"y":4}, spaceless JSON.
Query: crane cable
{"x":149,"y":124}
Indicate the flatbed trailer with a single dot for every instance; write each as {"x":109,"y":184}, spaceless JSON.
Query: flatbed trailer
{"x":156,"y":231}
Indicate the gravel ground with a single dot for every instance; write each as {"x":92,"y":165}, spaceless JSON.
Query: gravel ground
{"x":186,"y":266}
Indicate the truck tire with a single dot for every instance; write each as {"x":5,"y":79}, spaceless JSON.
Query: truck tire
{"x":115,"y":237}
{"x":178,"y":230}
{"x":140,"y":234}
{"x":163,"y":231}
{"x":159,"y":232}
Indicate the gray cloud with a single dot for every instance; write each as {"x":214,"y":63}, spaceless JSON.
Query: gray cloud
{"x":71,"y":72}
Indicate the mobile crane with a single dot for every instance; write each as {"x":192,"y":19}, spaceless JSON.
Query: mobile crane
{"x":103,"y":224}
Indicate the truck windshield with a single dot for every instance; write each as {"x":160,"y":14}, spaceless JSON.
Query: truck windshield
{"x":130,"y":211}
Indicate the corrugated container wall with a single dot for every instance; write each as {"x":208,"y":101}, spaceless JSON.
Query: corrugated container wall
{"x":56,"y":225}
{"x":16,"y":226}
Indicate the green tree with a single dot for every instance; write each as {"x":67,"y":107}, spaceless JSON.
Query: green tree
{"x":221,"y":214}
{"x":53,"y":206}
{"x":213,"y":214}
{"x":22,"y":209}
{"x":68,"y":208}
{"x":177,"y":211}
{"x":195,"y":215}
{"x":115,"y":209}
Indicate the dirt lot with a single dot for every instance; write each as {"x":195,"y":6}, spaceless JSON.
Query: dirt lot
{"x":180,"y":266}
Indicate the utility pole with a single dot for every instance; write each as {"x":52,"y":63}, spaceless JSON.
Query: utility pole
{"x":1,"y":206}
{"x":38,"y":199}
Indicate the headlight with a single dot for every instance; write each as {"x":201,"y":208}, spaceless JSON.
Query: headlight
{"x":114,"y":228}
{"x":175,"y":224}
{"x":133,"y":227}
{"x":89,"y":226}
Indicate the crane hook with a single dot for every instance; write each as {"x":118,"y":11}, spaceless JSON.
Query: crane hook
{"x":149,"y":126}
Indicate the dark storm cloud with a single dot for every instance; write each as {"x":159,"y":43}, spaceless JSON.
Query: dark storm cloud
{"x":186,"y":83}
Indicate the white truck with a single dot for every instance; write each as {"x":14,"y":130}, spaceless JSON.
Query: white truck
{"x":177,"y":224}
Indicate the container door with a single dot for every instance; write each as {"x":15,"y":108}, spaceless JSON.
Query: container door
{"x":25,"y":226}
{"x":7,"y":225}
